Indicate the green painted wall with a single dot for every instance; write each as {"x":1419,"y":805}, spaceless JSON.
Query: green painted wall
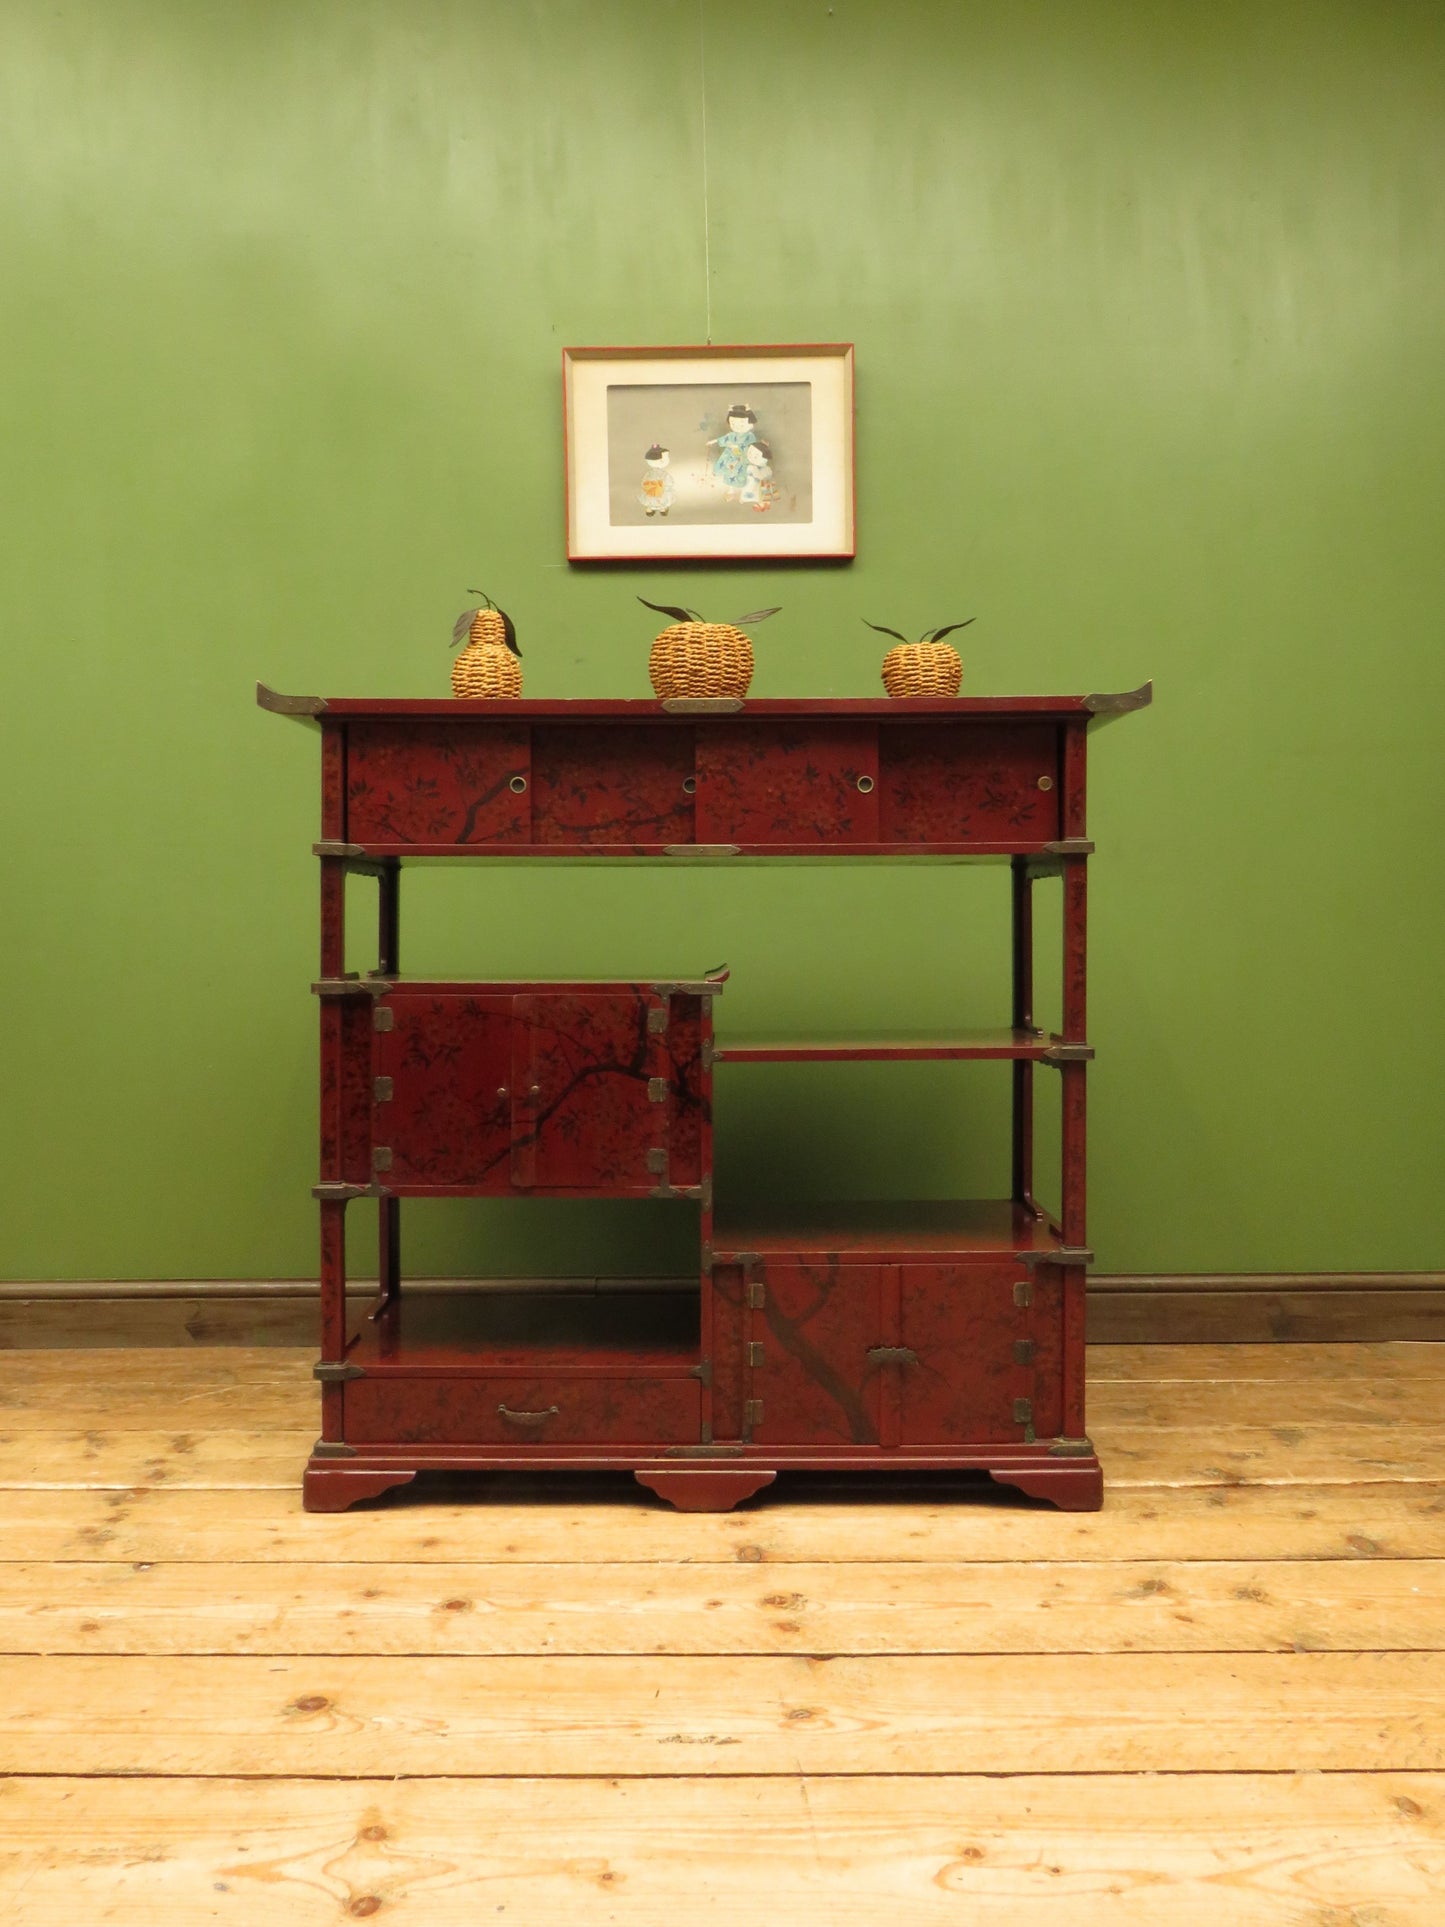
{"x":1148,"y":302}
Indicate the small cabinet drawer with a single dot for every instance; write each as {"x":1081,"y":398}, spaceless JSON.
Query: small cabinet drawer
{"x":962,"y":784}
{"x":759,"y":785}
{"x":399,"y":1409}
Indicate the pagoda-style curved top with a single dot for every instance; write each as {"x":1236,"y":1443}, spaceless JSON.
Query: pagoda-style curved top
{"x":1098,"y":705}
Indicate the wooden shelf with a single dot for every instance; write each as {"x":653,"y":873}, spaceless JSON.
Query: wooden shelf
{"x":526,"y":1331}
{"x":1018,"y":1046}
{"x":882,"y":1230}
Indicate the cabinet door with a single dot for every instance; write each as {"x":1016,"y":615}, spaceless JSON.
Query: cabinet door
{"x":442,"y":1108}
{"x":974,"y":1356}
{"x":590,"y":1093}
{"x":815,"y":1328}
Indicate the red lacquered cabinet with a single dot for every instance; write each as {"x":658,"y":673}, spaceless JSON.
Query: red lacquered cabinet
{"x":877,"y":1335}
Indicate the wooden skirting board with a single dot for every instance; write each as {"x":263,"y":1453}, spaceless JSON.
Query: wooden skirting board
{"x":1176,"y":1309}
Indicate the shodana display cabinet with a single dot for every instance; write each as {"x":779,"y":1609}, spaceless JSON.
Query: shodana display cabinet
{"x":884,"y":1336}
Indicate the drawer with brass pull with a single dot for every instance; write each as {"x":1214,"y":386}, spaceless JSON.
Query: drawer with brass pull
{"x":401,"y":1409}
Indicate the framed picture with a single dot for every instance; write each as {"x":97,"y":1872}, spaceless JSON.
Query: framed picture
{"x":701,"y":454}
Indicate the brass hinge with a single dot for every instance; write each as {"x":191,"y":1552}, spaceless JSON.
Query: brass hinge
{"x":705,"y":1190}
{"x":1068,"y":1054}
{"x":757,"y":1293}
{"x":1060,"y":1255}
{"x":756,"y":1354}
{"x":707,"y":1053}
{"x":1023,"y":1411}
{"x":381,"y":1089}
{"x":657,"y":1018}
{"x":1071,"y":1449}
{"x":752,"y":1412}
{"x":1023,"y":1351}
{"x":706,"y":1256}
{"x":331,"y":1374}
{"x":657,"y":1090}
{"x":332,"y":1449}
{"x":383,"y":1019}
{"x":1024,"y":1292}
{"x":381,"y":1157}
{"x":657,"y":1161}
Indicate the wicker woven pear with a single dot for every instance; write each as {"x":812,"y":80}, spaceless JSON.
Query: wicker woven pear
{"x":928,"y":667}
{"x":701,"y":659}
{"x":489,"y":665}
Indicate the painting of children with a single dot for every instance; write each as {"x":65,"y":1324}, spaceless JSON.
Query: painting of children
{"x":658,"y":491}
{"x":697,"y":454}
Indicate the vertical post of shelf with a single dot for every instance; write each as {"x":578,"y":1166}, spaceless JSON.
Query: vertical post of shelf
{"x":1076,"y":907}
{"x":333,"y":916}
{"x":333,"y":964}
{"x":1073,"y":1076}
{"x":388,"y":964}
{"x":388,"y":934}
{"x":1023,"y":1019}
{"x":333,"y":1307}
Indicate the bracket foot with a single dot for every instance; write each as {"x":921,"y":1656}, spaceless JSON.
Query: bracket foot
{"x":1073,"y":1485}
{"x":332,"y":1488}
{"x":709,"y":1491}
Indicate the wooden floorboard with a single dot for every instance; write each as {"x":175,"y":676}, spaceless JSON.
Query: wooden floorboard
{"x":704,"y":1714}
{"x":515,"y":1518}
{"x":1220,"y":1702}
{"x":1367,"y":1605}
{"x":1211,"y":1850}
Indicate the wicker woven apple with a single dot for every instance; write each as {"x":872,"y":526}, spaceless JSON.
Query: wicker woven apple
{"x":697,"y":658}
{"x":490,"y":664}
{"x":928,"y":667}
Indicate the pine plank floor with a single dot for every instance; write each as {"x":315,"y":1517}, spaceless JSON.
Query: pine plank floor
{"x":1219,"y":1701}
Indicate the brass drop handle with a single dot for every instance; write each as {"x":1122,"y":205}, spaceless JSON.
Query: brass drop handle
{"x":529,"y":1418}
{"x":892,"y":1355}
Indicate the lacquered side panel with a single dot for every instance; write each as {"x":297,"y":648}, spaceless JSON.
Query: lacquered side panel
{"x":689,"y":1020}
{"x":423,"y":781}
{"x":546,"y":1410}
{"x":942,"y":783}
{"x":1053,"y":1344}
{"x":815,"y":1379}
{"x":761,"y":783}
{"x":622,"y":786}
{"x":726,"y":1298}
{"x":354,"y":1106}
